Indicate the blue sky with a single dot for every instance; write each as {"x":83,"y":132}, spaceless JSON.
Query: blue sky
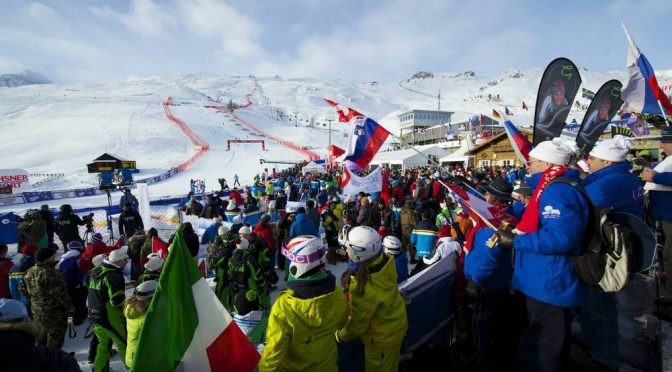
{"x":354,"y":40}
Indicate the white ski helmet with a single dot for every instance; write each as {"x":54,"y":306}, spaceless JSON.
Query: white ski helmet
{"x":343,"y":235}
{"x":392,"y":245}
{"x":305,"y":253}
{"x":145,"y":290}
{"x":363,"y":244}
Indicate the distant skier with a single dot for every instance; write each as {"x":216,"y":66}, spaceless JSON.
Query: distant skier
{"x":235,"y":180}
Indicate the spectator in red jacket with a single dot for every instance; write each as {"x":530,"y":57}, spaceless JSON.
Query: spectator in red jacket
{"x":264,"y":232}
{"x":96,"y":247}
{"x":235,"y":196}
{"x":5,"y":266}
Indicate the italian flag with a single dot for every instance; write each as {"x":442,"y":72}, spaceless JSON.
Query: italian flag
{"x":187,"y":328}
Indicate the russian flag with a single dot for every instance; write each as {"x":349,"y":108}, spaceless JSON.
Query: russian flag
{"x":366,"y":137}
{"x":642,"y":92}
{"x":521,"y":145}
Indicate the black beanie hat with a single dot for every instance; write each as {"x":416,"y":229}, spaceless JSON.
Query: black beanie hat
{"x":246,"y":302}
{"x":44,"y":254}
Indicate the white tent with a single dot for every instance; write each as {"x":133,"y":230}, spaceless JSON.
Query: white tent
{"x":402,"y":159}
{"x":460,"y":155}
{"x":313,"y":168}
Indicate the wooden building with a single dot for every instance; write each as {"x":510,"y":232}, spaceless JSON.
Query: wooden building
{"x":497,"y":150}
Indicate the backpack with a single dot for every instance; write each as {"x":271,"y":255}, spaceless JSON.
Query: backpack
{"x":96,"y":298}
{"x":603,"y":262}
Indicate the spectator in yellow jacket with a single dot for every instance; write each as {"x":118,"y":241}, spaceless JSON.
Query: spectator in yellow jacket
{"x":378,"y":311}
{"x":304,"y":317}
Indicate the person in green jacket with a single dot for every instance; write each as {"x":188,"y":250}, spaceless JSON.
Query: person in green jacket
{"x":378,"y":311}
{"x":105,"y":301}
{"x":220,"y":251}
{"x":304,"y":317}
{"x":135,"y":313}
{"x":245,"y":274}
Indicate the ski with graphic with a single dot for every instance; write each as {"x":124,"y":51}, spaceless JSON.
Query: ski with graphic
{"x":558,"y":87}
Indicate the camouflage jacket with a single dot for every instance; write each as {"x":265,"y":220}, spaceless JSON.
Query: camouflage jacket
{"x":45,"y":289}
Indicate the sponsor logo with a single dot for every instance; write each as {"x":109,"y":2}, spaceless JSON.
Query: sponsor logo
{"x":550,"y":212}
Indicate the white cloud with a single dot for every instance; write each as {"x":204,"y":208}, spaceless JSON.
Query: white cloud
{"x":39,"y":10}
{"x":236,"y":33}
{"x":145,"y":17}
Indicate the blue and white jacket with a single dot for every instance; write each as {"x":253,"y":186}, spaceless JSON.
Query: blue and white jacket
{"x":615,"y":187}
{"x":424,"y":235}
{"x":490,"y":268}
{"x":543,"y":266}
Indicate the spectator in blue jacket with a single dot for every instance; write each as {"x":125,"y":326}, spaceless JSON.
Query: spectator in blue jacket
{"x":302,"y":225}
{"x":68,"y":265}
{"x":610,"y":185}
{"x":424,"y":236}
{"x":659,"y":184}
{"x":522,"y":194}
{"x":392,"y":248}
{"x":211,"y":231}
{"x":550,"y":232}
{"x":490,"y":271}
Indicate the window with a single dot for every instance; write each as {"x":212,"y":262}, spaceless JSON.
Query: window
{"x":484,"y":163}
{"x":507,"y":162}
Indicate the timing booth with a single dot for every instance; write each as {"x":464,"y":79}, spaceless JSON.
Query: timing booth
{"x":113,"y":170}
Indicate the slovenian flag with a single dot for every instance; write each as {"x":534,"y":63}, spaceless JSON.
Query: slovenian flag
{"x":521,"y":145}
{"x":187,"y":328}
{"x":642,"y":92}
{"x":477,"y":208}
{"x":366,"y":137}
{"x":507,"y":111}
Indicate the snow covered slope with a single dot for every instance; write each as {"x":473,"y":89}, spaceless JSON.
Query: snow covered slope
{"x":56,"y":128}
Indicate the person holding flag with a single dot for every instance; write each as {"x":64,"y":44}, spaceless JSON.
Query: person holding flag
{"x":186,"y":328}
{"x":549,"y":233}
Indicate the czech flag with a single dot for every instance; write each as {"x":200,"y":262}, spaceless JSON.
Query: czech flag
{"x":507,"y":111}
{"x":366,"y":137}
{"x":521,"y":145}
{"x":642,"y":92}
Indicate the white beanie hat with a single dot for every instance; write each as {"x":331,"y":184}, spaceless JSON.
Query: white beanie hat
{"x":118,"y":254}
{"x":245,"y":230}
{"x":223,"y":230}
{"x":237,"y":219}
{"x":557,"y":151}
{"x":154,"y":262}
{"x":615,"y":149}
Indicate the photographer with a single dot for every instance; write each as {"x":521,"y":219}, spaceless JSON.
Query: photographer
{"x":67,"y":226}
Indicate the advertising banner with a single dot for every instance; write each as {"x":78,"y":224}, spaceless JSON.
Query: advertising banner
{"x":17,"y":179}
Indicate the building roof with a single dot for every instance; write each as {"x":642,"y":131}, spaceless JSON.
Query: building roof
{"x":109,"y":157}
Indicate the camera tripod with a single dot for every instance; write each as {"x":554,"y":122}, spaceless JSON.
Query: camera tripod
{"x":110,"y":228}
